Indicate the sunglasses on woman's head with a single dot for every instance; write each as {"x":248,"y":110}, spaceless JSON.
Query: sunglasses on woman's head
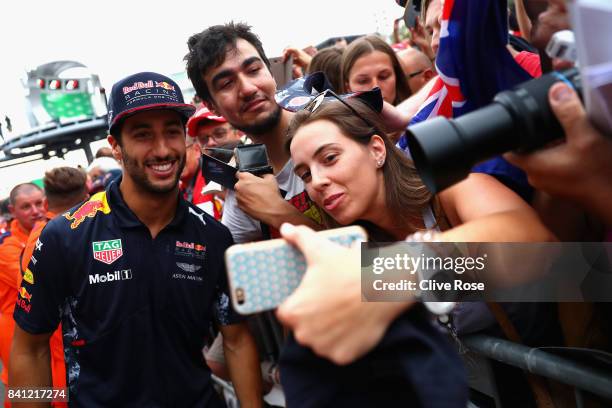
{"x":328,"y":93}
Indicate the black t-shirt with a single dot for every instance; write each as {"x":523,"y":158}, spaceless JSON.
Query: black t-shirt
{"x":135,"y":311}
{"x":412,"y":366}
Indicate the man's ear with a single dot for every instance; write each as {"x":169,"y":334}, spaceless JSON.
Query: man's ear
{"x":46,"y":204}
{"x":116,"y":148}
{"x":428,"y":74}
{"x":11,"y":209}
{"x":197,"y":147}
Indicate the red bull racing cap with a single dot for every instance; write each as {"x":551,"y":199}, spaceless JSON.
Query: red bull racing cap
{"x":145,"y":91}
{"x":203,"y":115}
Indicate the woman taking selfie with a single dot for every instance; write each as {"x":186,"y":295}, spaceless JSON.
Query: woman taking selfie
{"x":356,"y":175}
{"x":353,"y":172}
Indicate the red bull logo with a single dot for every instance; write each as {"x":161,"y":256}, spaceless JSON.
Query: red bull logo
{"x":24,"y":294}
{"x":190,"y":245}
{"x":190,"y":249}
{"x":187,"y":245}
{"x":137,"y":86}
{"x":24,"y":305}
{"x":164,"y":85}
{"x":89,"y":209}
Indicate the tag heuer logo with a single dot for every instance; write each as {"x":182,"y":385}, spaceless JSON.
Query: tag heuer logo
{"x":107,"y":251}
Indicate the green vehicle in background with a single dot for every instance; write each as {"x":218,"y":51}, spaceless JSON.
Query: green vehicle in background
{"x":66,"y":109}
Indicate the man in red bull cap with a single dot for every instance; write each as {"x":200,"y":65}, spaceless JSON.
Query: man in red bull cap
{"x":138,"y":278}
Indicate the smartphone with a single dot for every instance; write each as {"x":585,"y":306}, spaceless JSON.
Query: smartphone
{"x":263,"y":274}
{"x":282,"y":71}
{"x":410,"y":15}
{"x":218,"y":171}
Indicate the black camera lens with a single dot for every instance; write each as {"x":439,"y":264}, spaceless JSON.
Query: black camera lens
{"x":445,"y":150}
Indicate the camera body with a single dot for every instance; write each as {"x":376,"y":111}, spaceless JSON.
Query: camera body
{"x":253,"y":158}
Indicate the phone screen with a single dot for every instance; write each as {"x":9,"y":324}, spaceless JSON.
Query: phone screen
{"x":281,"y":70}
{"x":410,"y":15}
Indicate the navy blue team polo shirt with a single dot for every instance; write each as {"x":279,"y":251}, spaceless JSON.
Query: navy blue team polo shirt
{"x":135,"y":311}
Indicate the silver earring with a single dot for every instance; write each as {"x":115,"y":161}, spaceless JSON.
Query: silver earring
{"x":380,"y":163}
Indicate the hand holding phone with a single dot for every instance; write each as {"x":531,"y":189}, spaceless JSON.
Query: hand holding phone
{"x":262,"y":274}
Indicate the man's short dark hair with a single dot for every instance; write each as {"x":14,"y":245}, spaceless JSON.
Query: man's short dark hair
{"x":104,"y":152}
{"x":208,"y":48}
{"x":116,"y":133}
{"x":19,"y":188}
{"x":65,"y":186}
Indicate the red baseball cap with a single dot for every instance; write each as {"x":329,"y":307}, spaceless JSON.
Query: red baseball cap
{"x":202,"y":115}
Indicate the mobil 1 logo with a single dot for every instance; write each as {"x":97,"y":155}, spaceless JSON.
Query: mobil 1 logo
{"x":124,"y":274}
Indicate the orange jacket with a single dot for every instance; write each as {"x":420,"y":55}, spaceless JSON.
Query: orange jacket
{"x":10,"y":272}
{"x":10,"y":279}
{"x":58,"y":366}
{"x":10,"y":275}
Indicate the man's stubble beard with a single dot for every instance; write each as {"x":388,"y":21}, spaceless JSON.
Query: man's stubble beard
{"x":265,"y":126}
{"x":139,"y":176}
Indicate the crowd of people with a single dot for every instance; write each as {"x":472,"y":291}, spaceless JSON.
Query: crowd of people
{"x":113,"y":280}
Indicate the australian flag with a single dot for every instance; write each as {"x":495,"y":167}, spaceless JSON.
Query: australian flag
{"x":473,"y":64}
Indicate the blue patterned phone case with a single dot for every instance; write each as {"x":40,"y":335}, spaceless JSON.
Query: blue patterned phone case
{"x":262,"y":274}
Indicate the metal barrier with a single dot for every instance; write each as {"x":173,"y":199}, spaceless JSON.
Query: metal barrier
{"x":562,"y":369}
